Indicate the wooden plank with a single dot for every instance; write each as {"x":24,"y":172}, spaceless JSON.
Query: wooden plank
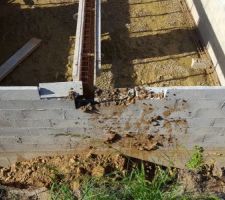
{"x":18,"y":57}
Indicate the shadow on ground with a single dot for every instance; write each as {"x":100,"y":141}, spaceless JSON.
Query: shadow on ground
{"x":53,"y":23}
{"x":121,"y":48}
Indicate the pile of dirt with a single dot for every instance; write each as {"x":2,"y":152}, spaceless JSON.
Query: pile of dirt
{"x":125,"y":96}
{"x":202,"y":182}
{"x":41,"y":171}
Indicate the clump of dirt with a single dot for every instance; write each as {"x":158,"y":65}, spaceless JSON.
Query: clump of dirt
{"x":120,"y":96}
{"x":203,"y":182}
{"x":124,"y":96}
{"x":143,"y":142}
{"x":111,"y":137}
{"x":117,"y":97}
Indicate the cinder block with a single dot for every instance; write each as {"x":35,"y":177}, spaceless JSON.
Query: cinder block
{"x":207,"y":92}
{"x":37,"y":104}
{"x":47,"y":131}
{"x":31,"y":123}
{"x":19,"y":93}
{"x":13,"y":131}
{"x":31,"y":114}
{"x":37,"y":140}
{"x":77,"y":115}
{"x":209,"y":113}
{"x":219,"y":123}
{"x":20,"y":148}
{"x":43,"y":114}
{"x":69,"y":123}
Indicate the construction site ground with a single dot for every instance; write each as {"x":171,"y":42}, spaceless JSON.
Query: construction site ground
{"x":50,"y":21}
{"x":152,"y":43}
{"x":143,"y":43}
{"x":34,"y":178}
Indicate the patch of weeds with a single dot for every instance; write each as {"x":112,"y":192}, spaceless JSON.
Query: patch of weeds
{"x":196,"y":162}
{"x":139,"y":188}
{"x":61,"y":191}
{"x":102,"y":189}
{"x":3,"y":193}
{"x":135,"y":186}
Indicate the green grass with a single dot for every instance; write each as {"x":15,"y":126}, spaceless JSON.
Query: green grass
{"x":135,"y":187}
{"x":61,"y":191}
{"x":196,"y":162}
{"x":132,"y":186}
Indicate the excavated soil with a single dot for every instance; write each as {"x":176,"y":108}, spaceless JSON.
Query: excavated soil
{"x":148,"y":42}
{"x":40,"y":171}
{"x":32,"y":179}
{"x":50,"y":21}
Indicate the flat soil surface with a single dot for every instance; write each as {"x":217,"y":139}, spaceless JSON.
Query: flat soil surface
{"x":148,"y":42}
{"x":144,"y":42}
{"x":51,"y":21}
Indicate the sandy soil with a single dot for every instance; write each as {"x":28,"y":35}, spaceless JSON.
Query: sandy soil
{"x":50,"y":20}
{"x":147,"y":42}
{"x":144,"y":42}
{"x":33,"y":177}
{"x":40,"y":171}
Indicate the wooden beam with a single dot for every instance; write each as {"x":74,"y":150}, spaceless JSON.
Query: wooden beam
{"x":18,"y":57}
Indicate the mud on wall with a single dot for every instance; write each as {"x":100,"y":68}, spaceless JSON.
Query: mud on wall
{"x":170,"y":120}
{"x":209,"y":16}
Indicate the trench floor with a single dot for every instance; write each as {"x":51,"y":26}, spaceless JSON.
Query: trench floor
{"x":144,"y":42}
{"x":50,"y":20}
{"x":149,"y":42}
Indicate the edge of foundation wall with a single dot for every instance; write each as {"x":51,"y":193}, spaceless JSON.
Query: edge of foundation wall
{"x":43,"y":91}
{"x":209,"y":17}
{"x":38,"y":127}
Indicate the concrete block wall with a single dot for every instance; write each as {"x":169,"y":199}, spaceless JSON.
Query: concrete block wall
{"x":192,"y":115}
{"x":209,"y":16}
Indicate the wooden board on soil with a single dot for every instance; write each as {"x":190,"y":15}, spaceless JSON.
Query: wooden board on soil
{"x":18,"y":57}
